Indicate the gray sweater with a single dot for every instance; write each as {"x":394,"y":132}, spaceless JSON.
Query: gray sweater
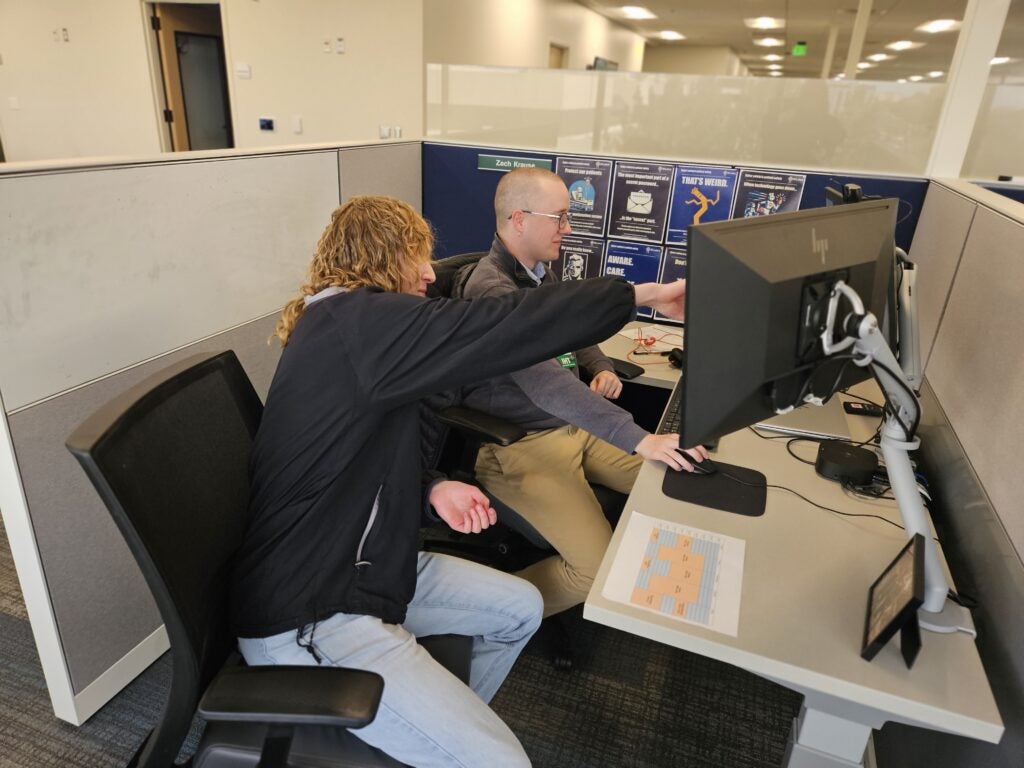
{"x":545,"y":395}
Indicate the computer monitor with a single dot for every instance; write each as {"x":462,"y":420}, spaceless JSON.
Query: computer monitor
{"x":757,"y":295}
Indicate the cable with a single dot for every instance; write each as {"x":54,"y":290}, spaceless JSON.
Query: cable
{"x":812,"y":503}
{"x":909,"y":432}
{"x":908,"y":214}
{"x":800,"y":440}
{"x":965,"y":601}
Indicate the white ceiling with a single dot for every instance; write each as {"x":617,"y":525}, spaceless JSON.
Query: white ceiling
{"x":720,"y":23}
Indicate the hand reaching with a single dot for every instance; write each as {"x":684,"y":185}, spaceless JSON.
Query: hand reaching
{"x":667,"y":298}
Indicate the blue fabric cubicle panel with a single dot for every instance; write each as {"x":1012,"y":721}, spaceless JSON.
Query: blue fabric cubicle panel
{"x":1014,"y":193}
{"x":909,"y":191}
{"x":458,"y":198}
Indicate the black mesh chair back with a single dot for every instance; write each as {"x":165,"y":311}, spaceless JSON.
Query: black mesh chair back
{"x":451,"y":274}
{"x":170,"y":460}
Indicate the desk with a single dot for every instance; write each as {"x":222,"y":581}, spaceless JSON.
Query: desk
{"x":659,"y":374}
{"x":805,"y":581}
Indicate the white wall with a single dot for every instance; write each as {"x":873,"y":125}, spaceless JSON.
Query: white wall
{"x":89,"y":96}
{"x":502,"y":33}
{"x":340,"y":97}
{"x":693,"y":60}
{"x":94,"y":95}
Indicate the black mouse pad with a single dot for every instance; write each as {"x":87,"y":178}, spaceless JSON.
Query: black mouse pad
{"x":731,"y":489}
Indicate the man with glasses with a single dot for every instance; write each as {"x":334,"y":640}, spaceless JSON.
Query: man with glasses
{"x":575,"y":434}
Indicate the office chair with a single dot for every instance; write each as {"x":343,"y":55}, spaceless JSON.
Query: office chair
{"x":514,"y":543}
{"x":169,"y":459}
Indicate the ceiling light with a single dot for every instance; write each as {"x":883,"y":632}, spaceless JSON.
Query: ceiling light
{"x":936,"y":73}
{"x":636,"y":12}
{"x":880,"y":57}
{"x":915,"y":78}
{"x":902,"y":80}
{"x":777,"y":57}
{"x":670,"y":34}
{"x":775,"y":73}
{"x":769,"y":42}
{"x":765,"y":22}
{"x":939,"y":25}
{"x":865,"y":65}
{"x":903,"y":45}
{"x":774,"y":66}
{"x":999,"y":60}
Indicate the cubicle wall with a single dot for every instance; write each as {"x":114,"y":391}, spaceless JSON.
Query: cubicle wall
{"x":458,"y":191}
{"x":969,"y":246}
{"x":108,"y":274}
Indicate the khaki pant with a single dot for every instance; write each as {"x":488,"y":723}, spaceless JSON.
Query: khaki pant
{"x":544,"y":477}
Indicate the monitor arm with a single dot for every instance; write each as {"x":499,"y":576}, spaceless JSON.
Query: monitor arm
{"x":863,"y":338}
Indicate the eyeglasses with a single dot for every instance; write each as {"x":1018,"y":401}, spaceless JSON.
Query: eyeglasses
{"x":563,"y":218}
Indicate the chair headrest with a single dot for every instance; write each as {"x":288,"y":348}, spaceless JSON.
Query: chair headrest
{"x":452,"y":272}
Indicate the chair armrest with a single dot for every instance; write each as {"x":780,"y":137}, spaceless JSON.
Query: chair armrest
{"x":481,"y":426}
{"x":294,"y":695}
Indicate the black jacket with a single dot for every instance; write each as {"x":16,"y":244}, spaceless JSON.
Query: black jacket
{"x":341,"y":430}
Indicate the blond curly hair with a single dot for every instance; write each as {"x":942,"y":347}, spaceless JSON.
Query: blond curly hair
{"x":372,"y":240}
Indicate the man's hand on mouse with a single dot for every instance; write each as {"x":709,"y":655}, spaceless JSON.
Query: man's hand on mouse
{"x":665,"y":448}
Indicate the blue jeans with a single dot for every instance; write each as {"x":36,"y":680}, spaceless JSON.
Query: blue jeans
{"x":427,"y":716}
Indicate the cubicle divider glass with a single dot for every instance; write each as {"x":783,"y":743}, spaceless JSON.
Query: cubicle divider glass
{"x":872,"y":127}
{"x":996,"y":149}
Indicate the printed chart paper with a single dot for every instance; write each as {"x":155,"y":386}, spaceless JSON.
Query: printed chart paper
{"x":684,"y":573}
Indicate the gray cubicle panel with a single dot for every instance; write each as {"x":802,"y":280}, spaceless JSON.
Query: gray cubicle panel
{"x":385,"y":169}
{"x":977,"y":369}
{"x":102,"y":608}
{"x":938,"y":245}
{"x":109,"y":273}
{"x":971,"y":430}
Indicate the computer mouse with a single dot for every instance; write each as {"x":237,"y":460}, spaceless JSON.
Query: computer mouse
{"x":705,"y":467}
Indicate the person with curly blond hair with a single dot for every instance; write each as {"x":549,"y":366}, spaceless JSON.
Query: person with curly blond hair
{"x":328,"y":570}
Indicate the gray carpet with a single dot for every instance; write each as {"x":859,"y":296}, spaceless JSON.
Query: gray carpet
{"x":634,"y":703}
{"x":628,"y":702}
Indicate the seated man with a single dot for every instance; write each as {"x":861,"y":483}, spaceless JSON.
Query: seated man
{"x":575,"y":434}
{"x":328,"y":570}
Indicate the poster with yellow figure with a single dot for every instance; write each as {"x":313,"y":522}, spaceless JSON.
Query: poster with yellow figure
{"x":699,"y":194}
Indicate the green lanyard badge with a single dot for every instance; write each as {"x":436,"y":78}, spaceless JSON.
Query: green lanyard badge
{"x":568,"y":360}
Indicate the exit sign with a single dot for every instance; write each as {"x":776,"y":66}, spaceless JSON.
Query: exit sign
{"x":800,"y":49}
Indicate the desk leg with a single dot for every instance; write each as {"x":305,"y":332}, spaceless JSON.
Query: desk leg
{"x":821,"y":740}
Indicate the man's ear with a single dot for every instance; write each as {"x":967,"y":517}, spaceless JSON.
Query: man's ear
{"x":516,"y":222}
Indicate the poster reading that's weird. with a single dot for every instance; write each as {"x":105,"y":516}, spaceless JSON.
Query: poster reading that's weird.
{"x":699,"y":194}
{"x":588,"y":181}
{"x":762,"y":193}
{"x":639,"y":208}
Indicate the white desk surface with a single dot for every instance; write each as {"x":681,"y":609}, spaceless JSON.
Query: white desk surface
{"x":657,"y":373}
{"x":805,"y":583}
